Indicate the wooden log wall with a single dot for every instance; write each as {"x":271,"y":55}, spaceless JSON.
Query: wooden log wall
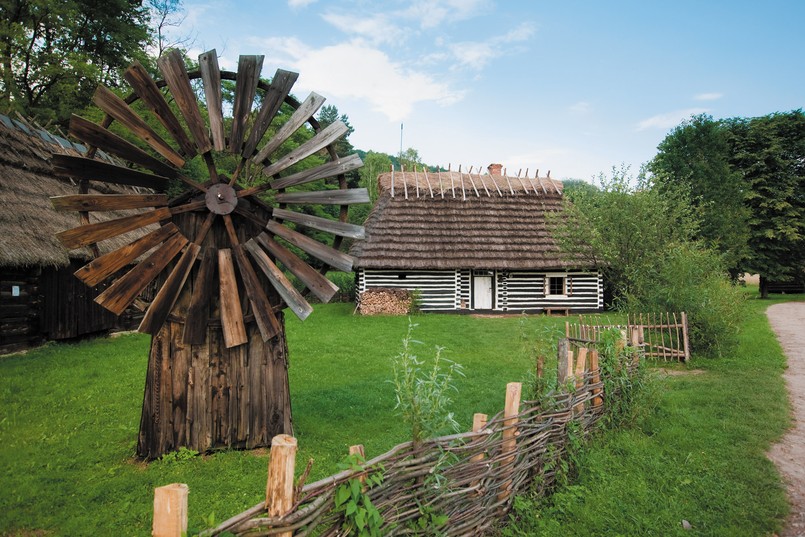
{"x":20,"y":306}
{"x":437,"y":287}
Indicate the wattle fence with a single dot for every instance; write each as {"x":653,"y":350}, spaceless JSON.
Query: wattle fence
{"x":660,"y":335}
{"x":464,"y":483}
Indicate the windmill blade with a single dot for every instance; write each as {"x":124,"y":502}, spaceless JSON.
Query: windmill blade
{"x":249,"y":68}
{"x":107,"y":202}
{"x":102,"y":267}
{"x":331,"y":256}
{"x":122,"y":112}
{"x":96,"y":136}
{"x":211,"y":76}
{"x":92,"y":233}
{"x":330,"y":169}
{"x":95,"y":170}
{"x":172,"y":67}
{"x":297,"y":119}
{"x":261,"y":307}
{"x":320,"y":141}
{"x":198,"y":312}
{"x":118,"y":296}
{"x":165,"y":299}
{"x":280,"y":87}
{"x":326,"y":197}
{"x":284,"y":287}
{"x":335,"y":227}
{"x":145,"y":87}
{"x":231,"y":312}
{"x":320,"y":286}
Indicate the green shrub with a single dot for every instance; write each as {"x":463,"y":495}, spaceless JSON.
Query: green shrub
{"x":346,"y":285}
{"x":689,"y":278}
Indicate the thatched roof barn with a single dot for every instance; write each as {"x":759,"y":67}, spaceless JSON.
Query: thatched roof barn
{"x":41,"y":299}
{"x":472,"y":242}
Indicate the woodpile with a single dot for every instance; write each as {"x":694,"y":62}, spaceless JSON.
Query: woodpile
{"x":385,"y":301}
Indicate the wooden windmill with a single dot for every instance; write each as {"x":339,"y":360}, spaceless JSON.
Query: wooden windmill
{"x":219,"y":253}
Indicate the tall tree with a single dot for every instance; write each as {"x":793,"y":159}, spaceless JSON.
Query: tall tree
{"x":329,"y":115}
{"x":769,"y":152}
{"x":696,"y":155}
{"x":54,"y":53}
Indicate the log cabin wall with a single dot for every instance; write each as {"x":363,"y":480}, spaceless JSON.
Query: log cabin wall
{"x":513,"y":291}
{"x":20,"y":302}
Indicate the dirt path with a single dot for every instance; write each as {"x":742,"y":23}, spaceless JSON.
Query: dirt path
{"x":788,"y":322}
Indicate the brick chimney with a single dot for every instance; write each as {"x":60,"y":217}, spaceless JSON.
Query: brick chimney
{"x":494,"y":169}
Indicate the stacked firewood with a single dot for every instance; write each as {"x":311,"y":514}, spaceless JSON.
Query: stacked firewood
{"x":385,"y":301}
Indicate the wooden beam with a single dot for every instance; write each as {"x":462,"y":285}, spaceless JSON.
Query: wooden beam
{"x":305,"y":111}
{"x":166,"y":298}
{"x":284,"y":287}
{"x":331,"y":256}
{"x":231,"y":310}
{"x":92,"y":233}
{"x":262,"y":308}
{"x":107,"y":202}
{"x":97,"y":136}
{"x":172,"y":67}
{"x":152,"y":97}
{"x":211,"y":78}
{"x":117,"y":108}
{"x":95,"y":170}
{"x":335,"y":227}
{"x":279,"y":89}
{"x":249,"y":68}
{"x":320,"y":286}
{"x":198,"y":312}
{"x":326,"y":197}
{"x":324,"y":138}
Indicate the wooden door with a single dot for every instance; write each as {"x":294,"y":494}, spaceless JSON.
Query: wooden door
{"x":482,"y":292}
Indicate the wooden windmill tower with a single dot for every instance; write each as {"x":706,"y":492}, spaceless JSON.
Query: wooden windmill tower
{"x":220,"y":252}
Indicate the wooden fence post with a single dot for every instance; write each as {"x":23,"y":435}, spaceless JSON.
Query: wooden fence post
{"x":596,"y":378}
{"x":581,"y":366}
{"x":478,"y":424}
{"x":685,"y":335}
{"x":564,"y":359}
{"x":170,"y":510}
{"x":358,"y":450}
{"x":280,"y":485}
{"x":509,"y":445}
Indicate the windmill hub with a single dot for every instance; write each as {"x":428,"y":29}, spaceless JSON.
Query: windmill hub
{"x":221,"y":198}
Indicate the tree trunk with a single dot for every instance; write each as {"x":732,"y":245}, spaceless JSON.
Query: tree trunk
{"x":764,"y":287}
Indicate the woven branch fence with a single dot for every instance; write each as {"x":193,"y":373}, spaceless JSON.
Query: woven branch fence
{"x":470,"y":477}
{"x":660,"y":335}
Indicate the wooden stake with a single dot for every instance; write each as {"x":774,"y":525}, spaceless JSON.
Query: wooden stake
{"x":685,"y":335}
{"x":564,"y":358}
{"x":357,"y":449}
{"x":170,"y":510}
{"x":478,"y":424}
{"x":280,"y":485}
{"x":581,"y":366}
{"x":596,"y":378}
{"x":540,"y":366}
{"x":510,"y":412}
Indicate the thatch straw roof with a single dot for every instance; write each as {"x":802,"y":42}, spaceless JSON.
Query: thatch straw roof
{"x":28,"y":223}
{"x":454,"y":220}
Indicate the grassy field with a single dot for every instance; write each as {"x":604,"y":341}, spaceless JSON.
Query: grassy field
{"x":69,"y":416}
{"x":700,"y":456}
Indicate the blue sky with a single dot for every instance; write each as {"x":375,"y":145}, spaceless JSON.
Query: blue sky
{"x":574,"y":87}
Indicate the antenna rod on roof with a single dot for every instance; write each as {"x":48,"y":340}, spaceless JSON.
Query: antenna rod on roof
{"x":470,"y":172}
{"x":526,"y":173}
{"x":401,"y":138}
{"x":392,"y":180}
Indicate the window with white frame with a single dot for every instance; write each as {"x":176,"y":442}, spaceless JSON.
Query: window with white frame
{"x":556,"y":285}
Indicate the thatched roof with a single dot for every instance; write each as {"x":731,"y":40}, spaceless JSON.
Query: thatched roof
{"x":453,"y":220}
{"x":28,"y":223}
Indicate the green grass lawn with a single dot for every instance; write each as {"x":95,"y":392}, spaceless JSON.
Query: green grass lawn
{"x":69,"y":416}
{"x":700,"y":456}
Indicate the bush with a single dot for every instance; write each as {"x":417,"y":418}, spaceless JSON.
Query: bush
{"x":346,"y":285}
{"x":689,"y":278}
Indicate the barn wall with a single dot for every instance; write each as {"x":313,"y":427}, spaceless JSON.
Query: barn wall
{"x":513,"y":290}
{"x":19,"y":308}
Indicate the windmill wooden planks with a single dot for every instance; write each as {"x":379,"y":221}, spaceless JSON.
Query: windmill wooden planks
{"x":231,"y":311}
{"x":146,"y":88}
{"x":163,"y":302}
{"x":326,"y":197}
{"x":301,"y":115}
{"x":320,"y":141}
{"x":95,"y":170}
{"x":92,"y":233}
{"x":211,"y":76}
{"x":331,"y":256}
{"x":117,"y":108}
{"x":320,"y":286}
{"x":280,"y":87}
{"x":249,"y":68}
{"x":173,"y":69}
{"x":284,"y":287}
{"x":107,"y":202}
{"x":342,"y":229}
{"x":198,"y":312}
{"x":120,"y":294}
{"x":261,"y":307}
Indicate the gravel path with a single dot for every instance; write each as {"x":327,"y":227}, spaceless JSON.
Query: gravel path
{"x":788,"y":322}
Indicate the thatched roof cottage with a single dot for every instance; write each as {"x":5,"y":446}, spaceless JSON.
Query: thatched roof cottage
{"x":39,"y":296}
{"x":471,"y":242}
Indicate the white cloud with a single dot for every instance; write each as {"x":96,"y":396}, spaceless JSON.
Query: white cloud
{"x":295,"y":4}
{"x":432,"y":13}
{"x":708,"y":96}
{"x":581,"y":107}
{"x":669,"y":119}
{"x":356,"y":70}
{"x":375,"y":28}
{"x":477,"y":54}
